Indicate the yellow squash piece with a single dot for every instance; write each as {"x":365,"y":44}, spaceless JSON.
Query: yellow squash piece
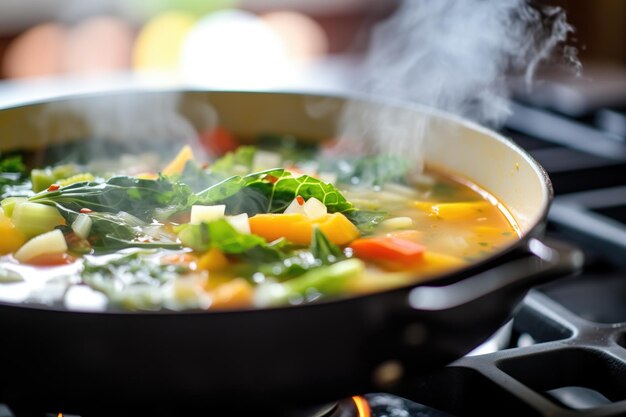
{"x":213,"y":260}
{"x":454,"y":211}
{"x":11,"y":239}
{"x":178,"y":164}
{"x":298,"y":228}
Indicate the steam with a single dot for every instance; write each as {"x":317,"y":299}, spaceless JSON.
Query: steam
{"x":458,"y":56}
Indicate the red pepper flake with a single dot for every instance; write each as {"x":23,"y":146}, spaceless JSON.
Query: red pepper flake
{"x":272,"y":179}
{"x":86,"y":210}
{"x":300,"y":200}
{"x":204,"y":165}
{"x":54,"y":187}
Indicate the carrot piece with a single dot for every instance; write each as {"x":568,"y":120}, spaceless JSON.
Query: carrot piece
{"x":51,"y":259}
{"x":178,"y":163}
{"x":388,"y":249}
{"x":298,"y":228}
{"x":218,"y":141}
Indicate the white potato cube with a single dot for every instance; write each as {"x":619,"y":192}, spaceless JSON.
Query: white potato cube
{"x":47,"y":243}
{"x":206,"y":214}
{"x":240,"y":223}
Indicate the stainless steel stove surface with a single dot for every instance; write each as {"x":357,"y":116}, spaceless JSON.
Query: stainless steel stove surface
{"x":565,"y":354}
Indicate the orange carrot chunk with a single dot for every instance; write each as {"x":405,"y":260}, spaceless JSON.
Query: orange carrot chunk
{"x":388,"y":249}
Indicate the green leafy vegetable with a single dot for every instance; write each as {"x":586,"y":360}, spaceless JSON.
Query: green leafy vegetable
{"x":234,"y":163}
{"x":326,"y":280}
{"x":217,"y":234}
{"x":138,"y":197}
{"x":321,"y":252}
{"x":272,"y":191}
{"x":111,"y":232}
{"x":13,"y":181}
{"x":131,"y":281}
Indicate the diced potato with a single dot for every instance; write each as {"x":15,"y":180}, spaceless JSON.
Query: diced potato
{"x":294,"y":207}
{"x":240,"y":222}
{"x":314,"y":209}
{"x":178,"y":163}
{"x":47,"y":243}
{"x":206,"y":214}
{"x":398,"y":223}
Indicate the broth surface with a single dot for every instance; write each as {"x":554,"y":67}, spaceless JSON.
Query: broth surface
{"x":261,"y":226}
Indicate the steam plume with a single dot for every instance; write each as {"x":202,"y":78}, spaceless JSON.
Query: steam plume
{"x":458,"y":55}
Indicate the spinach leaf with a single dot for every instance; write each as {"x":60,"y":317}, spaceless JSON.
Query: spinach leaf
{"x":199,"y":179}
{"x":234,"y":163}
{"x":110,"y":232}
{"x":138,"y":197}
{"x":323,"y":249}
{"x":321,"y":252}
{"x":218,"y":234}
{"x":272,"y":191}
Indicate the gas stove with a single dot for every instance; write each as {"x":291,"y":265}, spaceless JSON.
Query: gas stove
{"x":564,"y":351}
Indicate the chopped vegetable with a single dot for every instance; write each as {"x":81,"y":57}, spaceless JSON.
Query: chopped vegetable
{"x":206,"y":214}
{"x":33,"y":219}
{"x":11,"y":239}
{"x":51,"y":242}
{"x":388,"y":249}
{"x":298,"y":228}
{"x":178,"y":163}
{"x":82,"y":225}
{"x":331,"y":279}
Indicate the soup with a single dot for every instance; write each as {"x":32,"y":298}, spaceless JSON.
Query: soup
{"x":261,"y":226}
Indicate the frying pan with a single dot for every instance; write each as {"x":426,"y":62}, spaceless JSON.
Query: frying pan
{"x":55,"y":359}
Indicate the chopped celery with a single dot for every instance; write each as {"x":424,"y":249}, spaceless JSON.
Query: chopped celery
{"x":44,"y":178}
{"x":327,"y":280}
{"x":41,"y":179}
{"x":9,"y":203}
{"x":33,"y":219}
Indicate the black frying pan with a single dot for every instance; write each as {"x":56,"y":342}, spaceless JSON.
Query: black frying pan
{"x":57,"y":360}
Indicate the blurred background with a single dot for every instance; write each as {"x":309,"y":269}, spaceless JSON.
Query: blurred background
{"x":233,"y":40}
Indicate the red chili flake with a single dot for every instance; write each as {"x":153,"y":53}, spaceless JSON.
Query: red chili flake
{"x":204,"y":165}
{"x":54,"y":187}
{"x":272,"y":179}
{"x":86,"y":210}
{"x":300,"y":200}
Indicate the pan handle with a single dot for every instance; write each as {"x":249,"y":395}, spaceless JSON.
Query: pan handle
{"x":538,"y":262}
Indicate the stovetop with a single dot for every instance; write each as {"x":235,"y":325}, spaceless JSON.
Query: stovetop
{"x":564,"y":352}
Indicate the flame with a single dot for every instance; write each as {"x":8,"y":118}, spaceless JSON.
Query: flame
{"x":362,"y":406}
{"x":60,"y":415}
